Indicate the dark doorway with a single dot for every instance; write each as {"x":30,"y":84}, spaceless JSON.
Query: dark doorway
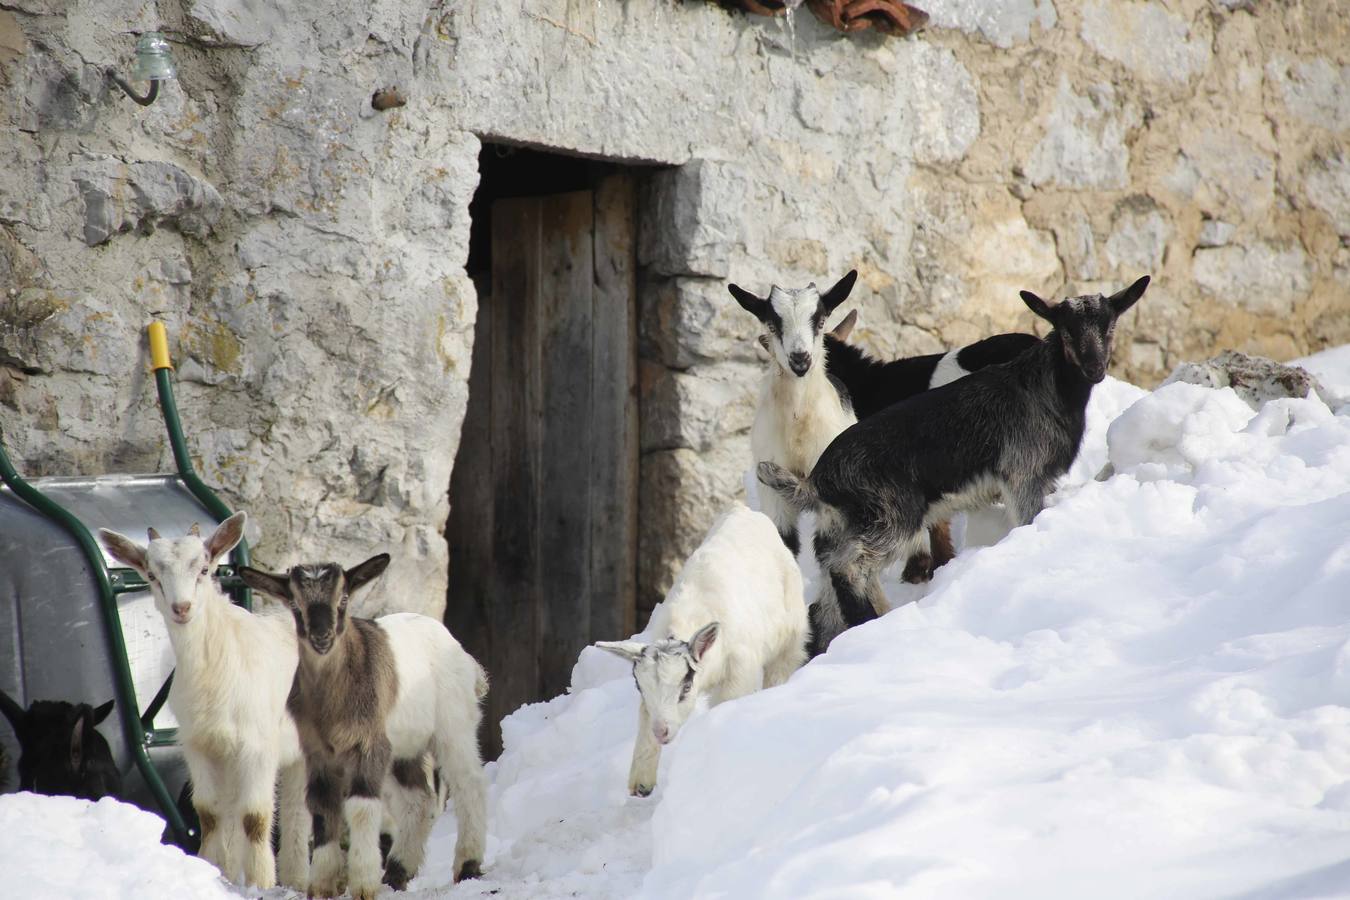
{"x":543,"y":497}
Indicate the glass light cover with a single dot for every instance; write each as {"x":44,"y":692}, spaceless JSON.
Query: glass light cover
{"x":154,"y":59}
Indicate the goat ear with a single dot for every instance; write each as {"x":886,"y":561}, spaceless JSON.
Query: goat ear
{"x":101,"y":712}
{"x":277,"y":585}
{"x":12,"y":710}
{"x":77,"y":737}
{"x":702,"y":640}
{"x":123,"y":549}
{"x":755,"y":306}
{"x":841,"y":331}
{"x":1128,"y":297}
{"x":1038,"y":306}
{"x":226,"y":535}
{"x":629,"y":650}
{"x":361,"y":574}
{"x":839,"y":293}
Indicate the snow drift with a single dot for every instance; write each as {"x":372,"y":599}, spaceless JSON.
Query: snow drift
{"x":1142,"y":693}
{"x":1136,"y":695}
{"x":60,"y":847}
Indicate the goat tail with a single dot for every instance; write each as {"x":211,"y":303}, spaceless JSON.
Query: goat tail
{"x":480,"y":681}
{"x":796,"y":492}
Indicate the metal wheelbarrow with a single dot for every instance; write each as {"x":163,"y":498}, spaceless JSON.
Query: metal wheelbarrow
{"x":73,"y":627}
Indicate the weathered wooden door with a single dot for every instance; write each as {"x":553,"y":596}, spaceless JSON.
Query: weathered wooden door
{"x":543,"y":499}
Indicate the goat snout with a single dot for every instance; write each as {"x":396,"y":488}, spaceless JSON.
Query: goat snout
{"x":661,"y":731}
{"x":799,"y":362}
{"x":181,"y":612}
{"x":321,"y":643}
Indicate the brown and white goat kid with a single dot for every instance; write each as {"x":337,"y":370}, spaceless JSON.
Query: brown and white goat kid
{"x":234,"y":672}
{"x":372,"y":697}
{"x":801,"y":408}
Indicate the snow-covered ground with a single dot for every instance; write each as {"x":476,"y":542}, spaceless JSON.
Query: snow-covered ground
{"x":1145,"y":693}
{"x":54,"y":848}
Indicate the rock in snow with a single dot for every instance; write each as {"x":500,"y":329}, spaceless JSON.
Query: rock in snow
{"x":1141,"y":694}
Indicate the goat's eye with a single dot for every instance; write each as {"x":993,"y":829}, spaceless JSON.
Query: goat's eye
{"x":205,"y":571}
{"x":150,"y":577}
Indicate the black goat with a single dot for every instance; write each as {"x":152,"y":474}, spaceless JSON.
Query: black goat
{"x":873,"y":385}
{"x":1008,"y":431}
{"x":61,"y":752}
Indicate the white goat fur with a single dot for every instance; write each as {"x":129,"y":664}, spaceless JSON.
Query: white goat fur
{"x":797,"y":416}
{"x":743,"y":578}
{"x":233,"y":675}
{"x":440,"y":687}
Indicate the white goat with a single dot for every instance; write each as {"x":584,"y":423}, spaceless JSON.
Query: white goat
{"x":371,"y":699}
{"x":801,"y":407}
{"x":734,"y":620}
{"x":234,"y":673}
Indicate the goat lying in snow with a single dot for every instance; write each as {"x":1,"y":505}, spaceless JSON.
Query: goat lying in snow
{"x":61,"y":752}
{"x":371,"y":698}
{"x":734,"y":620}
{"x":874,"y":385}
{"x":800,"y":409}
{"x":1009,"y":430}
{"x":234,"y":672}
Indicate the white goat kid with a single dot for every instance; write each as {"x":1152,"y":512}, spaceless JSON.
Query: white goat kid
{"x":234,"y":673}
{"x":801,"y":407}
{"x":734,"y":620}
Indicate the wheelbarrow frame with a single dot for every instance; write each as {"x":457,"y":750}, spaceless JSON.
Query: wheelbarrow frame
{"x":138,"y":728}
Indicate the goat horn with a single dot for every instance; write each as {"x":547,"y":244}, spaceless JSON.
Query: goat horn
{"x":152,"y":533}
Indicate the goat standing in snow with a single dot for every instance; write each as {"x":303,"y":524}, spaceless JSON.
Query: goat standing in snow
{"x":372,"y":698}
{"x":1009,"y":431}
{"x":234,"y":672}
{"x":874,"y":385}
{"x":734,"y":620}
{"x":60,"y":750}
{"x":800,"y":408}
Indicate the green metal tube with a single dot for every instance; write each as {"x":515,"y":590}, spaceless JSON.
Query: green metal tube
{"x":125,"y":691}
{"x":207,"y":497}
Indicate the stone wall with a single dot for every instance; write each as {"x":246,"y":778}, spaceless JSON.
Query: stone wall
{"x":307,"y":251}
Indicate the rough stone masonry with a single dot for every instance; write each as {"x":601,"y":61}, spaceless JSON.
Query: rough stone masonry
{"x":307,"y":251}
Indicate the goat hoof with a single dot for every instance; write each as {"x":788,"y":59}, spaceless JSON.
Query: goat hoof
{"x":640,"y":790}
{"x":918,"y":569}
{"x":396,"y":876}
{"x":472,"y":868}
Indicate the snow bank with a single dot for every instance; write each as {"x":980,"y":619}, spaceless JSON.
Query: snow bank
{"x":59,"y":847}
{"x":1137,"y":695}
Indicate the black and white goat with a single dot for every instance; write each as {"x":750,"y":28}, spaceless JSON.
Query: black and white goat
{"x":60,"y":750}
{"x":874,"y":385}
{"x":372,"y":697}
{"x":1008,"y":431}
{"x":800,"y":408}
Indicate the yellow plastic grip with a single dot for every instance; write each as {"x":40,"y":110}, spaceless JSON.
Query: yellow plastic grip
{"x":159,"y":347}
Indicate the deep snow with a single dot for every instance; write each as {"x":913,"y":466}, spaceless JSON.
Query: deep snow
{"x":1142,"y":694}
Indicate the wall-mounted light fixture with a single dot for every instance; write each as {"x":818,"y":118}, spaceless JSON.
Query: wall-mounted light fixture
{"x":154,"y":63}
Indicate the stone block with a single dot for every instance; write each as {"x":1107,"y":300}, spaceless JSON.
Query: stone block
{"x":1261,"y":278}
